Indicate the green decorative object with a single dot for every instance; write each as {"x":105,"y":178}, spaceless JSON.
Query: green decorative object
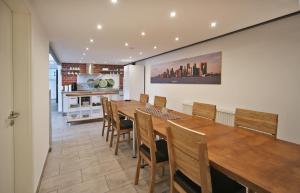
{"x":103,"y":83}
{"x":110,"y":82}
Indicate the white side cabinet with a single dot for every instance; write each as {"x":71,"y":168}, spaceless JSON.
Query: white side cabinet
{"x":84,"y":107}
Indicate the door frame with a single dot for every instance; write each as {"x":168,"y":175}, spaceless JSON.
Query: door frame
{"x":21,"y":61}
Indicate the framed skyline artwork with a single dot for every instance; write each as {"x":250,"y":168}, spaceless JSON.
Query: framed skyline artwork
{"x":204,"y":69}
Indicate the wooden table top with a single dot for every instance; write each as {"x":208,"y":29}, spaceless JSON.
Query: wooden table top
{"x":256,"y":160}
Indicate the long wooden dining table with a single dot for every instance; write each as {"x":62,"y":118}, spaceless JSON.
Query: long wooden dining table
{"x":256,"y":160}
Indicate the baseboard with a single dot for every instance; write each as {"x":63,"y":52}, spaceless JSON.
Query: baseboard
{"x":45,"y":163}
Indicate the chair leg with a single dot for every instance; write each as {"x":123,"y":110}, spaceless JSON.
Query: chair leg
{"x":137,"y":173}
{"x":104,"y":121}
{"x":108,"y":130}
{"x":129,"y":137}
{"x":117,"y":145}
{"x":162,"y":170}
{"x":152,"y":178}
{"x":112,"y":136}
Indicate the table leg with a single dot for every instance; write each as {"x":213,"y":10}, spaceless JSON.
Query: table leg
{"x":133,"y":141}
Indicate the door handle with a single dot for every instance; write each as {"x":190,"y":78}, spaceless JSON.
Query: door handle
{"x":13,"y":115}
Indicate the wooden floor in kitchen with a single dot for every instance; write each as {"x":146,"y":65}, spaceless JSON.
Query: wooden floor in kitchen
{"x":82,"y":162}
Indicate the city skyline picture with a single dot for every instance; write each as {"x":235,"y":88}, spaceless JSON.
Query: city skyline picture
{"x":203,"y":69}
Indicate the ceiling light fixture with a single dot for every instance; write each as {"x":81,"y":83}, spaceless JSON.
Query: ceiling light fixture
{"x":143,"y":34}
{"x":141,"y":53}
{"x":86,"y":48}
{"x":126,"y":44}
{"x":114,"y":1}
{"x":172,"y":14}
{"x":155,"y":47}
{"x":91,"y":40}
{"x":213,"y":24}
{"x":177,"y":39}
{"x":130,"y":57}
{"x":99,"y":26}
{"x":83,"y":54}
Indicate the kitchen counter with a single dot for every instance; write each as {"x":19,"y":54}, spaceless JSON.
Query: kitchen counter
{"x":90,"y":93}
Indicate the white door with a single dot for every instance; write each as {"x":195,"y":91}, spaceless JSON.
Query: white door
{"x":6,"y":101}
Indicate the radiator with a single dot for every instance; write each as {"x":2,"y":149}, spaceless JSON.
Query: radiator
{"x":223,"y":116}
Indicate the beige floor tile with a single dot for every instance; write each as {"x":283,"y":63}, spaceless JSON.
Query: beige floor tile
{"x":61,"y":181}
{"x":124,"y":189}
{"x":69,"y":166}
{"x":102,"y":169}
{"x":97,"y":185}
{"x":117,"y":179}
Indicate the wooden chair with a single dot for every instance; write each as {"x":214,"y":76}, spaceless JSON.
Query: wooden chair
{"x":153,"y":152}
{"x":122,"y":126}
{"x":160,"y":101}
{"x":207,"y":111}
{"x":257,"y":121}
{"x":144,"y":98}
{"x":106,"y":116}
{"x":189,"y":165}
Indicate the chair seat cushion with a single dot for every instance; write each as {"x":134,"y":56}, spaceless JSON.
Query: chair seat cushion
{"x":161,"y":153}
{"x":126,"y":124}
{"x":220,"y":183}
{"x":122,"y":117}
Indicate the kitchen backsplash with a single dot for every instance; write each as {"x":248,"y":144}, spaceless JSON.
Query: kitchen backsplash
{"x":88,"y":81}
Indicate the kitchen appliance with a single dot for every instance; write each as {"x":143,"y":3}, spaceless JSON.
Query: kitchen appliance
{"x":74,"y":86}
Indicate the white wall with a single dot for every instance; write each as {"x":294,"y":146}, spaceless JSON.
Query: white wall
{"x":40,"y":97}
{"x":260,"y":71}
{"x":133,"y":81}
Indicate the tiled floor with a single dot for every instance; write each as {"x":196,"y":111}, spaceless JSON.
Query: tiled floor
{"x":82,"y":162}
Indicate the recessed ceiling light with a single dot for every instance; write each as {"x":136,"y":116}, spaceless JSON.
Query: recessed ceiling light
{"x":114,"y":1}
{"x":86,"y":48}
{"x":130,"y":57}
{"x":143,"y":34}
{"x":172,"y":14}
{"x":81,"y":58}
{"x":126,"y":44}
{"x":99,"y":26}
{"x":83,"y":54}
{"x":141,"y":53}
{"x":155,"y":47}
{"x":91,"y":40}
{"x":177,"y":39}
{"x":79,"y":61}
{"x":213,"y":24}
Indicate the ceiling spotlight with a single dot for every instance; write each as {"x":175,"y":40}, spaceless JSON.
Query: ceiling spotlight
{"x":130,"y":57}
{"x":143,"y":34}
{"x":213,"y":24}
{"x":126,"y":44}
{"x":172,"y":14}
{"x":86,"y":48}
{"x":91,"y":40}
{"x":141,"y":53}
{"x":83,"y":54}
{"x":155,"y":47}
{"x":99,"y":26}
{"x":114,"y":1}
{"x":177,"y":39}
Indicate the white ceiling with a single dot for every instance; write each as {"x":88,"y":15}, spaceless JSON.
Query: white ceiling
{"x":71,"y":23}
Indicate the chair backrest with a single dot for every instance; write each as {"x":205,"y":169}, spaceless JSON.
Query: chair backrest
{"x":160,"y":101}
{"x":188,"y":154}
{"x":144,"y":98}
{"x":104,"y":105}
{"x":115,"y":115}
{"x":144,"y":131}
{"x":254,"y":120}
{"x":207,"y":111}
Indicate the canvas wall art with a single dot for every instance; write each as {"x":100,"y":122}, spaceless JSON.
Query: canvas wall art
{"x":204,"y":69}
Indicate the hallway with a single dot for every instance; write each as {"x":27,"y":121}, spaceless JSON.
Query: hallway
{"x":82,"y":162}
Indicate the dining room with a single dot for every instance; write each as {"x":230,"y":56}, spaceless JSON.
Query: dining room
{"x":153,"y":96}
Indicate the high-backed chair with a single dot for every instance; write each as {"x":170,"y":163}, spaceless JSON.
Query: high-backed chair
{"x":257,"y":121}
{"x":106,"y":116}
{"x":144,"y":98}
{"x":122,"y":126}
{"x":154,"y":152}
{"x":160,"y":101}
{"x":207,"y":111}
{"x":189,"y":165}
